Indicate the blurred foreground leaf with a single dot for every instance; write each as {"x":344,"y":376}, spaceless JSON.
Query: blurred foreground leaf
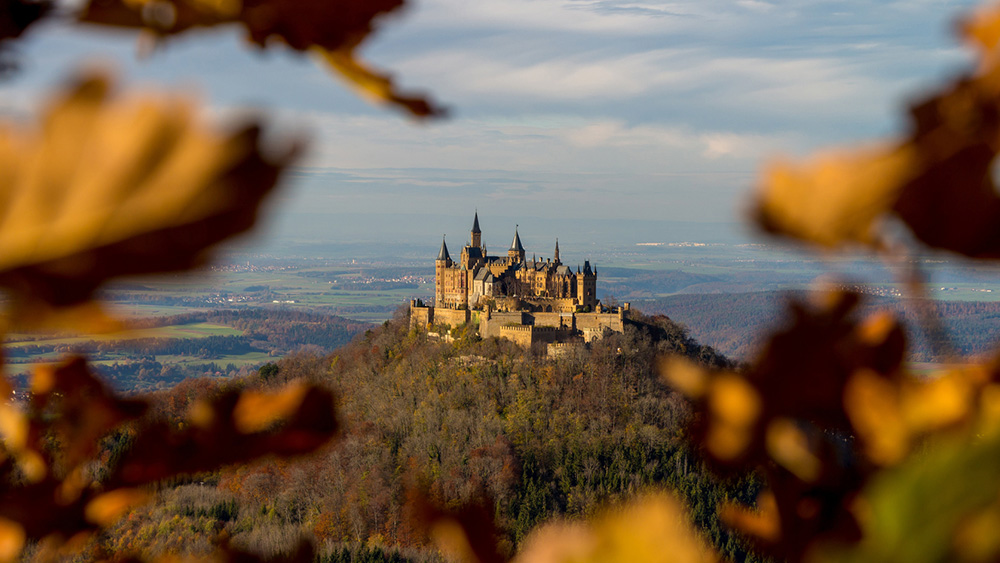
{"x":112,"y":187}
{"x":332,"y":28}
{"x":650,"y":529}
{"x":937,"y":178}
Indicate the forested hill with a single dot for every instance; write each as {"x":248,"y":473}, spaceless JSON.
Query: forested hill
{"x":540,"y":437}
{"x":736,"y":323}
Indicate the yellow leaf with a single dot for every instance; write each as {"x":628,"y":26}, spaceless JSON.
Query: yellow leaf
{"x":872,"y":404}
{"x":938,"y":401}
{"x":451,"y":539}
{"x":764,"y":523}
{"x":256,"y":411}
{"x":13,"y":427}
{"x":104,"y":509}
{"x":685,"y":376}
{"x":788,"y":445}
{"x":12,"y":539}
{"x":734,"y":406}
{"x":982,"y":30}
{"x":834,"y":198}
{"x":650,"y":529}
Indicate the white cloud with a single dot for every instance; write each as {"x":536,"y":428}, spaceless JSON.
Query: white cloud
{"x":589,"y":17}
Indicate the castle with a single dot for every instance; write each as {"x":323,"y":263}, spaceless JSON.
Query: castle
{"x":510,"y":296}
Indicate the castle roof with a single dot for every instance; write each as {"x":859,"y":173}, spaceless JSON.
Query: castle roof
{"x":475,"y":224}
{"x":586,"y":268}
{"x":482,"y":274}
{"x":563,"y":270}
{"x":443,"y":254}
{"x":516,"y":243}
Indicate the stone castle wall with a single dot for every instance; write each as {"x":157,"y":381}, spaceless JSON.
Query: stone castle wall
{"x":526,"y":335}
{"x":490,"y":324}
{"x":524,"y":328}
{"x":421,"y":317}
{"x":451,"y":317}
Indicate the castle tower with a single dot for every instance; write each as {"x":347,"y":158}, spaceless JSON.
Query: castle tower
{"x":555,"y":257}
{"x":516,"y":250}
{"x":441,"y":265}
{"x":586,"y":292}
{"x":477,"y":235}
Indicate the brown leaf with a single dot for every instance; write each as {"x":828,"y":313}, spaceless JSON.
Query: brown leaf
{"x":937,"y":179}
{"x":376,"y":86}
{"x":467,"y":534}
{"x":951,"y":203}
{"x":334,"y":29}
{"x":120,"y":187}
{"x":17,"y":15}
{"x":786,"y":415}
{"x":220,"y":435}
{"x":87,"y":409}
{"x":800,"y":375}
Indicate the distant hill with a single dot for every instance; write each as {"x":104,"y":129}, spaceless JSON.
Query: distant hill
{"x":736,"y":323}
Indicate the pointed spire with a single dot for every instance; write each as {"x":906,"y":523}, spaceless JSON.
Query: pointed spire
{"x":443,"y":254}
{"x":475,"y":223}
{"x":555,"y":257}
{"x":516,"y":243}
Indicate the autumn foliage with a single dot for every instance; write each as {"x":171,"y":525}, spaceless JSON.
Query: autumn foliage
{"x":861,"y":460}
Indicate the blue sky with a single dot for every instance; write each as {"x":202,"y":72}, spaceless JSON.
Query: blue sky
{"x":561,"y":108}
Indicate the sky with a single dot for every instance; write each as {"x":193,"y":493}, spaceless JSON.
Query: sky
{"x":571,"y":110}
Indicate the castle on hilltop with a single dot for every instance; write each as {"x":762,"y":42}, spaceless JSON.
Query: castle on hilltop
{"x":510,"y":296}
{"x":511,"y":282}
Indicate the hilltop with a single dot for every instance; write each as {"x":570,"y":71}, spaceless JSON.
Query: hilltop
{"x":540,"y":437}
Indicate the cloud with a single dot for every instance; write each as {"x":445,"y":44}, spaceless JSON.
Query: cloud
{"x":629,"y":18}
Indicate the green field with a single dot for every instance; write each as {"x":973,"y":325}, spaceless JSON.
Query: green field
{"x":197,"y":330}
{"x":306,"y":287}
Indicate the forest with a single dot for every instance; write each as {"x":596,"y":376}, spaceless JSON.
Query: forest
{"x":473,"y":422}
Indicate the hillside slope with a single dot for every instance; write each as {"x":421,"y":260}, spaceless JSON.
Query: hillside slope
{"x":461,"y":421}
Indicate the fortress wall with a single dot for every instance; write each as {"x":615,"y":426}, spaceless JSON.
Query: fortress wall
{"x":526,"y":335}
{"x":600,"y":321}
{"x":556,"y":305}
{"x":491,"y":327}
{"x":520,"y":335}
{"x":549,"y":334}
{"x":553,"y":319}
{"x":450,"y":317}
{"x":421,"y":317}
